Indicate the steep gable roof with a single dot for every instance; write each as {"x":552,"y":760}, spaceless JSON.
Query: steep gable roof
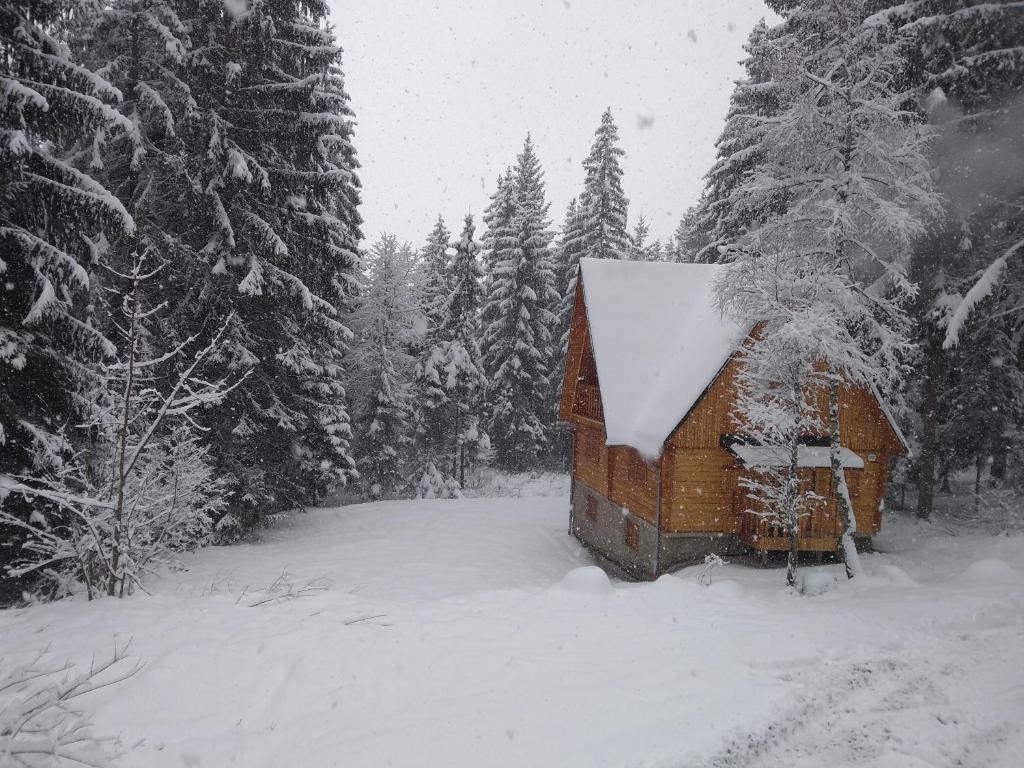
{"x":658,"y":341}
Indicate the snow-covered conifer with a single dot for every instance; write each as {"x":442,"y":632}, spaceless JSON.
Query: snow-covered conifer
{"x":570,"y":248}
{"x":269,"y":149}
{"x":56,"y":219}
{"x":638,"y":239}
{"x":969,"y":76}
{"x":716,"y":220}
{"x":603,"y":204}
{"x":452,"y":371}
{"x":644,"y":250}
{"x":981,"y":404}
{"x":384,"y":319}
{"x":434,"y":266}
{"x":518,"y":317}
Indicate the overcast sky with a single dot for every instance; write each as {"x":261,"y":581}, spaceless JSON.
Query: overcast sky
{"x":445,"y":92}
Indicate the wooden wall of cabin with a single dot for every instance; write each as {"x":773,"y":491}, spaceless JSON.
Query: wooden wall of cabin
{"x":618,"y":474}
{"x":590,"y":457}
{"x":697,"y":491}
{"x":699,"y":477}
{"x":634,"y":482}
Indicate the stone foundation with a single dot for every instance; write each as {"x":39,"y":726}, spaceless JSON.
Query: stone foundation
{"x":604,"y":527}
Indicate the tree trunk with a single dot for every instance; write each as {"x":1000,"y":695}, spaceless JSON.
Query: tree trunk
{"x":929,"y":425}
{"x":979,"y":465}
{"x":839,"y":487}
{"x":122,"y":449}
{"x":998,"y":469}
{"x":793,"y":506}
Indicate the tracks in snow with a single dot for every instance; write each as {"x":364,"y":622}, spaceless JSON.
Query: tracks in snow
{"x":886,"y":712}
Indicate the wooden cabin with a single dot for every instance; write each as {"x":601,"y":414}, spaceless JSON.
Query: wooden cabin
{"x":657,"y":455}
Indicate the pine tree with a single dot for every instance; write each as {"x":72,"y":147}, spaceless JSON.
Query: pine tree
{"x":497,"y":219}
{"x":643,"y":250}
{"x":849,"y":160}
{"x":982,"y":405}
{"x":268,"y":147}
{"x":570,"y":248}
{"x":966,"y":67}
{"x":384,"y":433}
{"x":385,"y":317}
{"x":433,"y":287}
{"x":717,"y":220}
{"x":690,"y":239}
{"x":603,"y":204}
{"x":142,"y":47}
{"x":452,"y":373}
{"x":55,"y":222}
{"x":518,"y":318}
{"x":435,"y":264}
{"x":638,"y":239}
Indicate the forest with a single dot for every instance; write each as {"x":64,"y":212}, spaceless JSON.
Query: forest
{"x":275,"y":490}
{"x":197,"y":336}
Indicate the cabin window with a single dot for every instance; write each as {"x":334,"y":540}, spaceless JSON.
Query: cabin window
{"x":632,"y":534}
{"x":636,"y":469}
{"x":592,"y":509}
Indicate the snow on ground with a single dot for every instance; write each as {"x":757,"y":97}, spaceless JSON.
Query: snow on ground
{"x":477,"y":633}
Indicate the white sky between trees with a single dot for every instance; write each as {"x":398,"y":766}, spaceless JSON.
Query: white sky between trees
{"x":444,"y":93}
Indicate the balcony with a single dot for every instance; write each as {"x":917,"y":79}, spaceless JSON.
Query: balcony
{"x":588,"y":402}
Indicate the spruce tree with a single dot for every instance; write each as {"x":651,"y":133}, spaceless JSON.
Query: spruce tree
{"x":689,"y":239}
{"x":430,"y":397}
{"x":644,"y":250}
{"x":570,"y":248}
{"x":383,"y":320}
{"x":966,"y":69}
{"x":270,"y":154}
{"x":603,"y":204}
{"x":56,"y":220}
{"x":638,"y":239}
{"x":981,"y":405}
{"x":453,"y":369}
{"x":518,"y":317}
{"x":434,"y":267}
{"x":497,"y":218}
{"x":716,"y":220}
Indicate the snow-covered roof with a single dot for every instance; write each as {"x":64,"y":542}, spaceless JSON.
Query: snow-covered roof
{"x":807,"y":456}
{"x":658,"y":340}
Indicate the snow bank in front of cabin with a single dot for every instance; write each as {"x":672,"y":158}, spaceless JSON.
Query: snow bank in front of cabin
{"x":476,"y":632}
{"x":659,"y":341}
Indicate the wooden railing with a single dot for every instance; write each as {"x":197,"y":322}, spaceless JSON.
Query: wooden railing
{"x":588,"y":402}
{"x":819,"y":529}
